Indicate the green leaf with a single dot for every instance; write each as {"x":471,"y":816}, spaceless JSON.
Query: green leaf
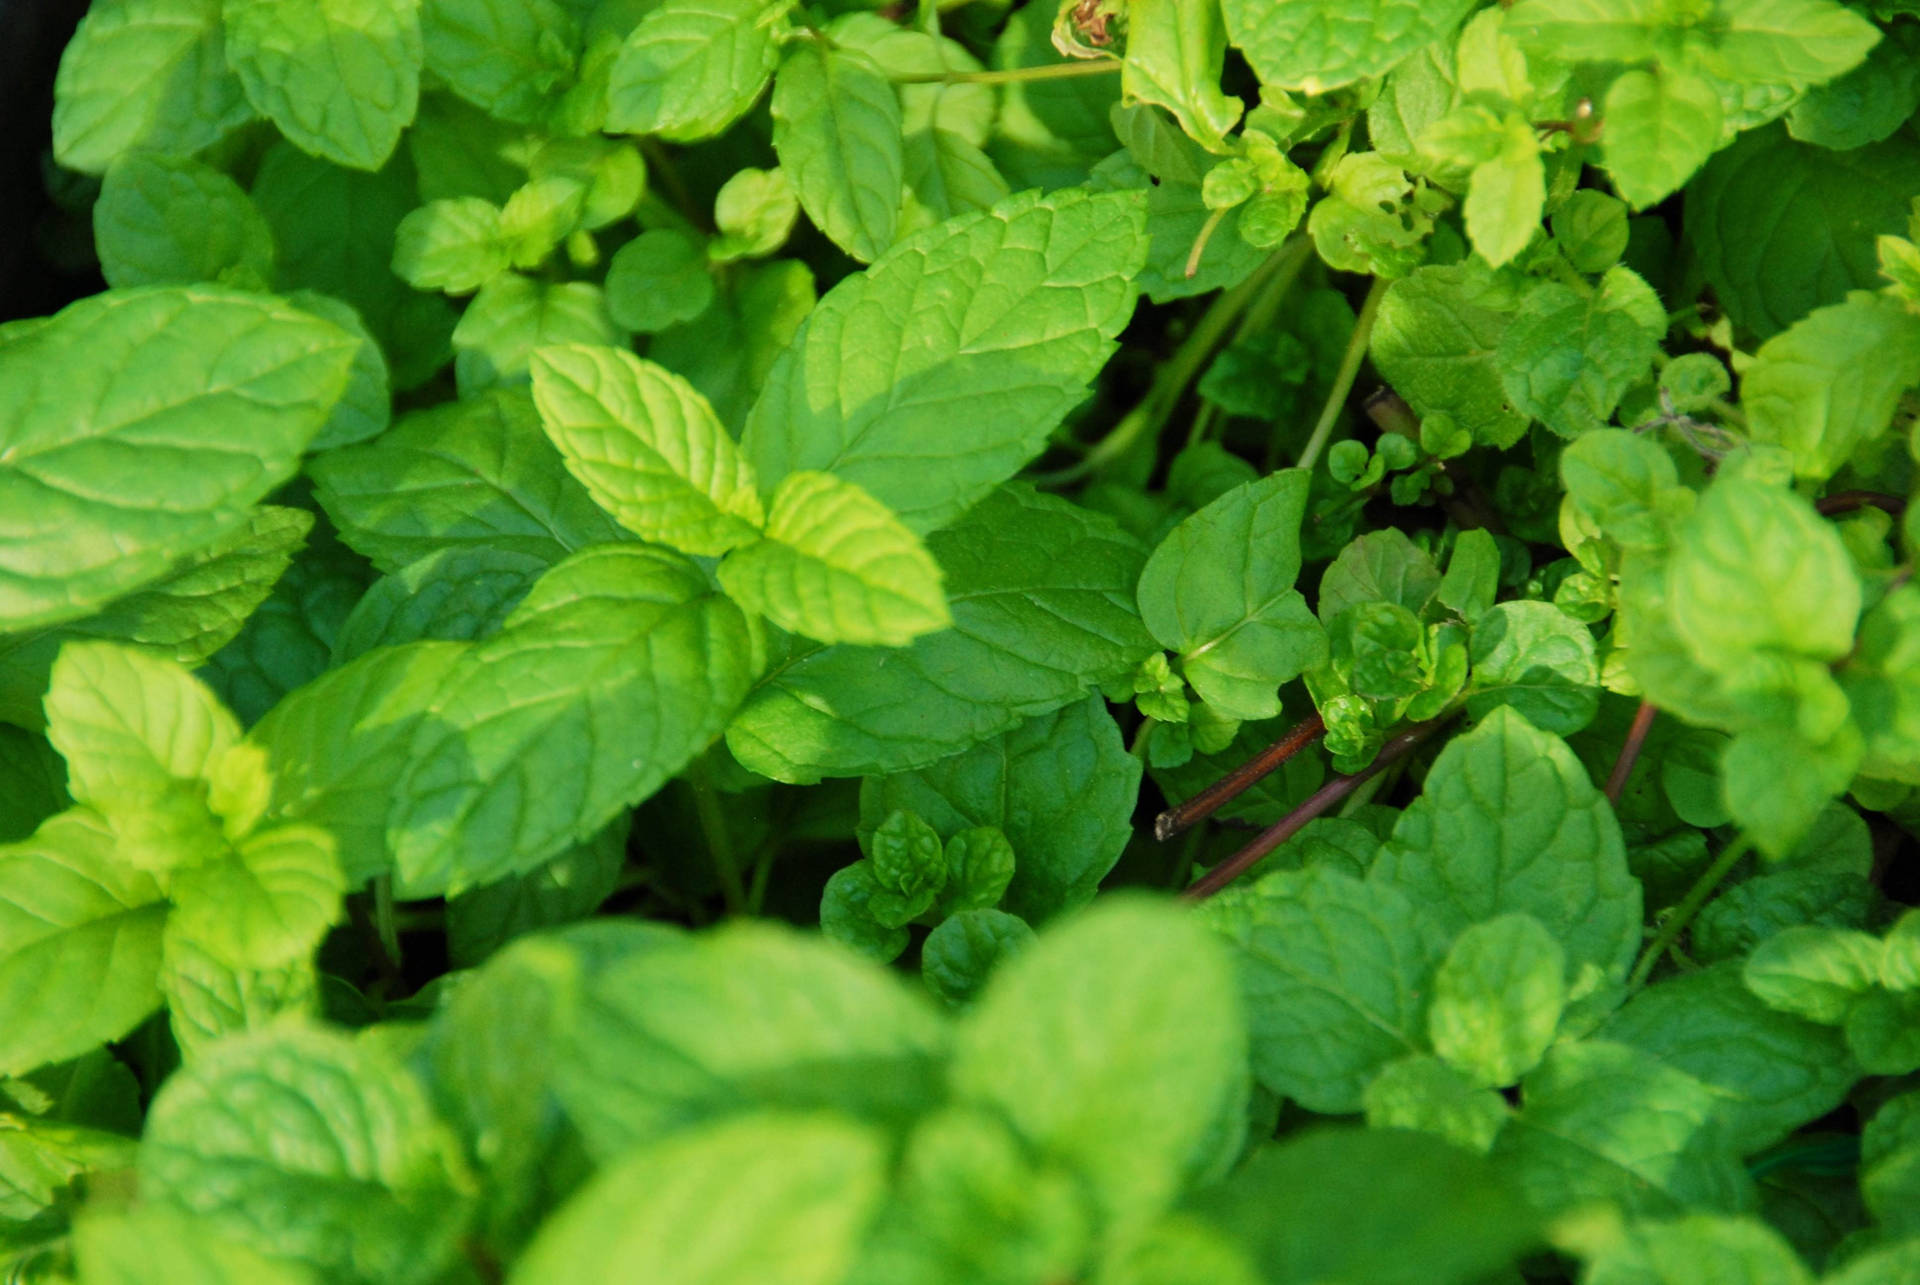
{"x":455,"y":245}
{"x":1335,"y":975}
{"x":1317,"y":45}
{"x":341,"y":78}
{"x":647,"y":447}
{"x":33,"y":783}
{"x":79,"y":942}
{"x":691,"y":68}
{"x":1473,"y":575}
{"x":1497,"y":998}
{"x":126,"y":1247}
{"x":569,"y":887}
{"x":773,"y":1197}
{"x":947,"y":175}
{"x":1777,"y":783}
{"x":1061,"y":787}
{"x":544,"y":732}
{"x":1661,"y":128}
{"x":477,"y":473}
{"x":1814,"y":972}
{"x":1435,"y":340}
{"x":1168,"y":171}
{"x":1588,"y":30}
{"x":1829,"y":384}
{"x":751,"y":1016}
{"x":513,"y":316}
{"x":1738,"y":1251}
{"x":308,"y":1146}
{"x":1772,"y":1072}
{"x":848,"y":917}
{"x":1504,"y":202}
{"x":208,"y":1000}
{"x":1113,"y":1045}
{"x":836,"y":565}
{"x":1622,"y":484}
{"x":1782,"y":228}
{"x":1042,"y":599}
{"x":1603,"y":1121}
{"x":961,"y":953}
{"x":1868,"y":103}
{"x":138,"y":427}
{"x":512,"y":58}
{"x":132,"y":726}
{"x":1424,"y":1094}
{"x":1173,"y":60}
{"x":366,"y":408}
{"x":1219,"y":590}
{"x":186,"y":617}
{"x":267,"y":904}
{"x":1535,"y":658}
{"x":183,"y":99}
{"x":1568,"y":358}
{"x":1508,"y":820}
{"x":934,"y":375}
{"x":837,"y":132}
{"x":1890,"y":1164}
{"x":164,"y":220}
{"x":727,"y":351}
{"x":658,"y":280}
{"x":1794,"y":42}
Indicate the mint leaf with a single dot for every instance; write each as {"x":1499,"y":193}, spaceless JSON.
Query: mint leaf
{"x":184,"y":100}
{"x":1535,"y":658}
{"x":1042,"y":599}
{"x":1219,"y":591}
{"x":766,"y":1197}
{"x":1508,"y":820}
{"x":512,"y":59}
{"x":456,"y":245}
{"x":569,"y":887}
{"x":1828,"y":384}
{"x":455,"y":595}
{"x":1796,"y":42}
{"x":164,"y":220}
{"x":691,"y":68}
{"x":1129,"y":1004}
{"x":1435,"y":340}
{"x":1583,"y":30}
{"x":79,"y":942}
{"x":837,"y":132}
{"x":1867,"y":104}
{"x":1568,"y":358}
{"x":727,"y":351}
{"x":128,"y":1246}
{"x":1740,"y":1248}
{"x":309,"y":1146}
{"x":1174,"y":55}
{"x":468,"y":474}
{"x":1380,"y":566}
{"x":1497,"y":998}
{"x":209,"y":1000}
{"x":657,"y":280}
{"x":366,"y":408}
{"x":962,"y":952}
{"x":931,"y":377}
{"x":1322,"y":44}
{"x":513,"y":316}
{"x":201,"y":398}
{"x":806,"y":1026}
{"x":1661,"y":127}
{"x":1814,"y":972}
{"x":1061,"y":787}
{"x":836,"y":565}
{"x":265,"y":905}
{"x":1336,"y":976}
{"x":1424,"y":1094}
{"x":647,"y":448}
{"x":341,"y":78}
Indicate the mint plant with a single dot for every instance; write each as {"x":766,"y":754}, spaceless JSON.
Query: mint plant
{"x":1116,"y":641}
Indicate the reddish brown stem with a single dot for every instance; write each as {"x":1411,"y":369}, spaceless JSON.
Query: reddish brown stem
{"x":1316,"y":803}
{"x":1630,"y":749}
{"x":1215,"y":796}
{"x":1848,"y":501}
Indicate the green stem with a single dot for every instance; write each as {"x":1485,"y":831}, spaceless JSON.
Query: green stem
{"x":1200,"y":242}
{"x":1676,"y":922}
{"x":1138,"y":748}
{"x":1728,"y":411}
{"x":385,"y":923}
{"x":757,"y":890}
{"x":713,"y":830}
{"x":1013,"y":75}
{"x":1344,"y":377}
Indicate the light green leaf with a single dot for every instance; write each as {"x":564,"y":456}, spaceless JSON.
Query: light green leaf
{"x":1335,"y":975}
{"x":138,"y":427}
{"x":1778,"y":782}
{"x":309,"y":1146}
{"x":1497,"y":998}
{"x":754,"y":212}
{"x":948,"y":175}
{"x":647,"y":447}
{"x":837,"y":565}
{"x":511,"y":57}
{"x":130,"y":1246}
{"x":208,"y":1000}
{"x":1422,"y":1093}
{"x":692,"y":67}
{"x":267,"y":904}
{"x":1568,"y":358}
{"x":1661,"y":127}
{"x":1508,"y":820}
{"x":1113,"y":1045}
{"x":132,"y":725}
{"x":1167,"y":170}
{"x":1473,"y":575}
{"x":837,"y":132}
{"x":1042,"y":599}
{"x":751,"y":1016}
{"x":456,"y":595}
{"x":181,"y":100}
{"x":1829,"y":384}
{"x":1602,"y":1121}
{"x":341,"y":78}
{"x":1793,"y":42}
{"x":1622,"y":483}
{"x":1537,"y":659}
{"x":1219,"y":590}
{"x":1060,"y":786}
{"x":1435,"y":341}
{"x":366,"y":408}
{"x":1317,"y":45}
{"x":165,"y":220}
{"x":512,"y":316}
{"x":1814,"y":972}
{"x":1772,"y":1072}
{"x":1736,"y":1251}
{"x":473,"y":473}
{"x":79,"y":942}
{"x":774,"y":1197}
{"x":455,"y":245}
{"x":1504,"y":201}
{"x":1173,"y":60}
{"x":934,"y":375}
{"x":658,"y":280}
{"x":1589,"y":30}
{"x":727,"y":351}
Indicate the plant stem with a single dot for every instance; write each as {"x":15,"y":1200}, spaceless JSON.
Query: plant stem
{"x":1233,"y":784}
{"x":1179,"y":370}
{"x":713,"y":830}
{"x":1676,"y":923}
{"x":1316,"y":803}
{"x":1344,"y":377}
{"x":1013,"y":75}
{"x":1848,"y":501}
{"x":1630,"y":749}
{"x":1200,"y":242}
